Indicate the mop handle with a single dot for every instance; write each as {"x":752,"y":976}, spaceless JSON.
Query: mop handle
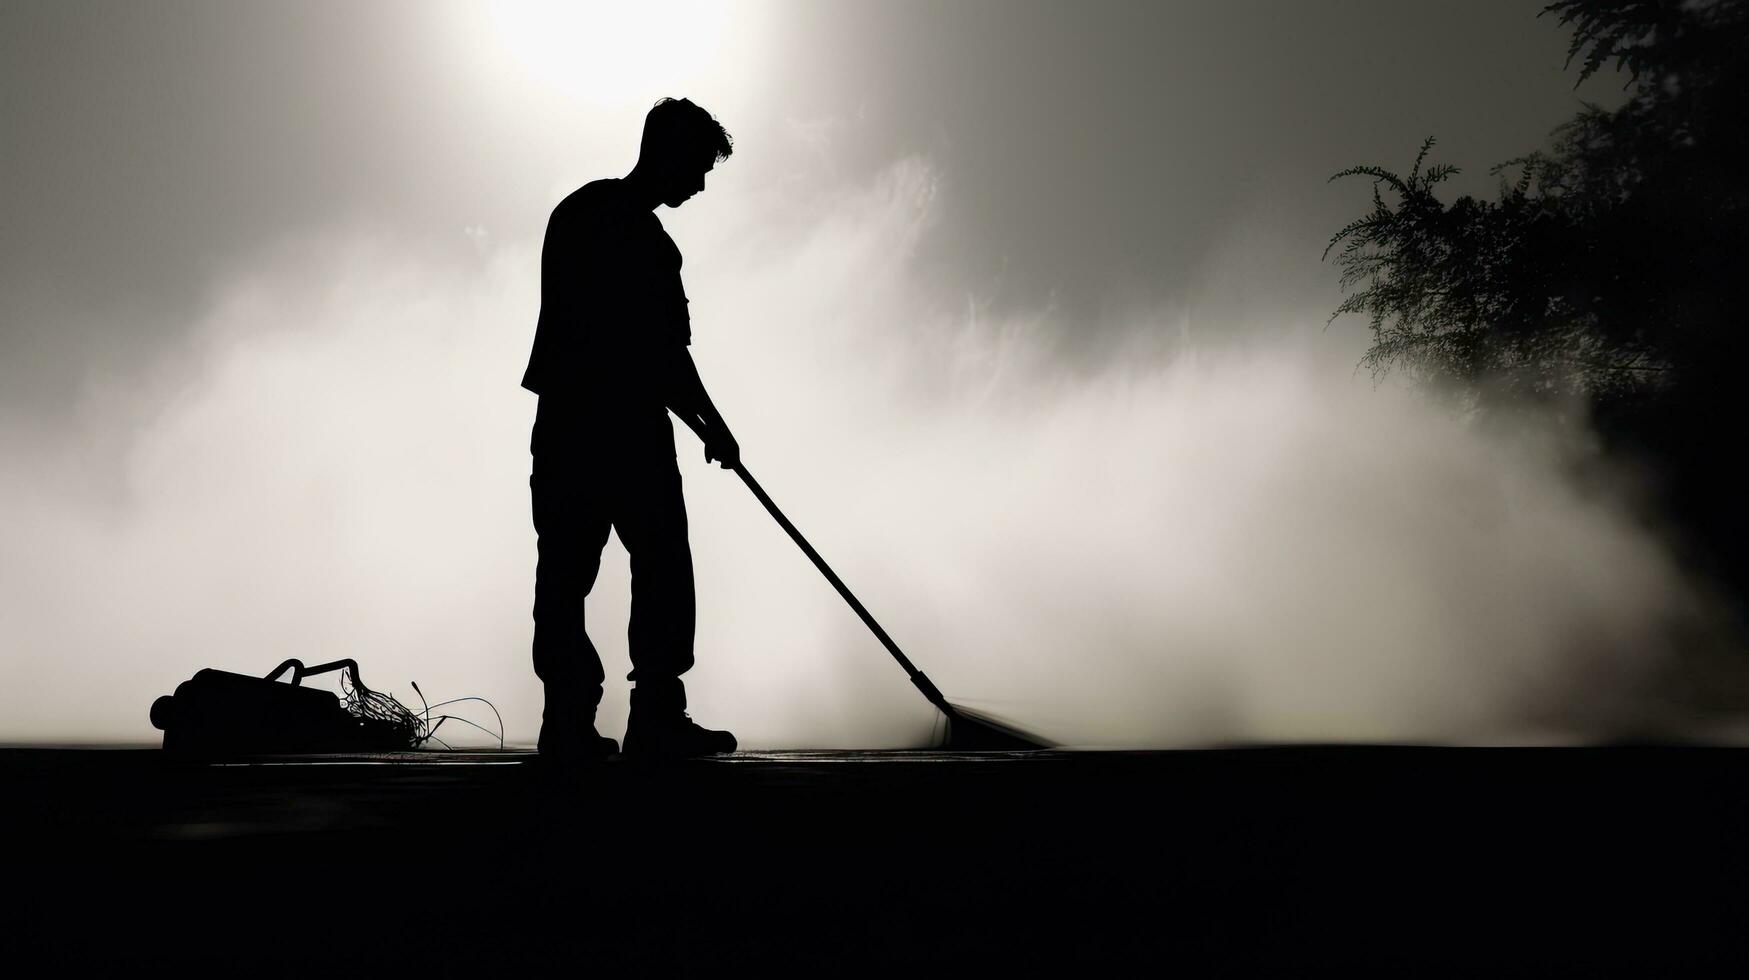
{"x":918,"y":678}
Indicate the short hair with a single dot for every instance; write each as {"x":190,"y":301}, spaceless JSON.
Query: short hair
{"x":680,"y":127}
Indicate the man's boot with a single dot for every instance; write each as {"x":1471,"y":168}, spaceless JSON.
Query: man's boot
{"x":660,"y":727}
{"x":567,"y":733}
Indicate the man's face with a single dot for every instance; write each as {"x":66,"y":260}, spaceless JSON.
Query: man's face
{"x":685,"y":180}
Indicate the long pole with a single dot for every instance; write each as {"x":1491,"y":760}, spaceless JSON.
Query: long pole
{"x":918,"y":678}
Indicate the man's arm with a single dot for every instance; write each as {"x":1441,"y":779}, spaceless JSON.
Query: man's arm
{"x":687,"y":399}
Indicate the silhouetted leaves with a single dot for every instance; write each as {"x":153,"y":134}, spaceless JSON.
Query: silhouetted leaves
{"x":1608,"y":267}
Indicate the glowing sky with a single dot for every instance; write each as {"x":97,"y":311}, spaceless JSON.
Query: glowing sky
{"x":1104,"y":157}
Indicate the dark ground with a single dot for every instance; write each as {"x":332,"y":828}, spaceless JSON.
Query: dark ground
{"x":1478,"y":862}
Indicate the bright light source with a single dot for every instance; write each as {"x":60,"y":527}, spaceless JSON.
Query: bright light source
{"x":605,"y":53}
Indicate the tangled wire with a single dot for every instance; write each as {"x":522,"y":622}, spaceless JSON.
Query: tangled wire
{"x":428,"y":728}
{"x":376,"y":710}
{"x":388,"y":720}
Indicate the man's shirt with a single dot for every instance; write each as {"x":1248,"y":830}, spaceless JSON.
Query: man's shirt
{"x":611,"y":305}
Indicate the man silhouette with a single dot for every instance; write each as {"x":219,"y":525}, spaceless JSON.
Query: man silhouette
{"x":610,"y":361}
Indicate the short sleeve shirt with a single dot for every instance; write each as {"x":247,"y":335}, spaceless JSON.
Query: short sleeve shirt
{"x":611,"y":302}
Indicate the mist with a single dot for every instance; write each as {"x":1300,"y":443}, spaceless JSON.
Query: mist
{"x":1187,"y":543}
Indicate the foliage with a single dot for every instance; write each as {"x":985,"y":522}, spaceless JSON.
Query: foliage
{"x":1480,"y":291}
{"x":1600,"y":267}
{"x":1608,"y":268}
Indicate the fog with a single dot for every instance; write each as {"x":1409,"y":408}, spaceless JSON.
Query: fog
{"x":1190,"y":542}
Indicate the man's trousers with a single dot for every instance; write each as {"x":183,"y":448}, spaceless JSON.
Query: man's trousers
{"x":590,"y":476}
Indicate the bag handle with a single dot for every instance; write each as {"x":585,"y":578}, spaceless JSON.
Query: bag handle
{"x":299,"y":671}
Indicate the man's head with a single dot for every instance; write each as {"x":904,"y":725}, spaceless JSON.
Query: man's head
{"x":682,"y":142}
